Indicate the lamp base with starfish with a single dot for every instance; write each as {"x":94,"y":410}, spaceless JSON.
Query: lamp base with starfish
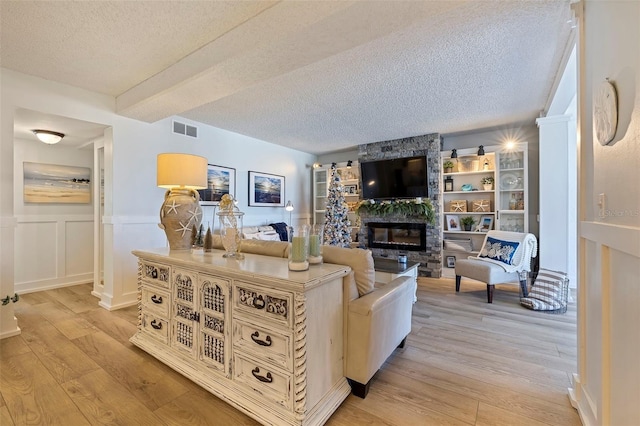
{"x":179,"y":215}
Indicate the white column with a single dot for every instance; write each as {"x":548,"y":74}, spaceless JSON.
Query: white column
{"x":558,"y":197}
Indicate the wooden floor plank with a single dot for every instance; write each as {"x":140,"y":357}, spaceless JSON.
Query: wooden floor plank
{"x":100,"y":398}
{"x":466,"y":362}
{"x":134,"y":369}
{"x":200,"y":409}
{"x":33,"y":396}
{"x":489,"y":415}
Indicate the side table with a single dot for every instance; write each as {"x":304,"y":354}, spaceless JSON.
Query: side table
{"x":389,"y":269}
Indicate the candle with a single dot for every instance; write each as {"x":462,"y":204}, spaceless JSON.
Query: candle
{"x":314,"y":245}
{"x":298,"y":249}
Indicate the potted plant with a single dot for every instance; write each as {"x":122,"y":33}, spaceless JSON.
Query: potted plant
{"x":448,"y":166}
{"x":487,"y":183}
{"x":467,"y":222}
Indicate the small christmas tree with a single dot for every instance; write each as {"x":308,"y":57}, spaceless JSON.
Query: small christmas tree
{"x":337,"y":231}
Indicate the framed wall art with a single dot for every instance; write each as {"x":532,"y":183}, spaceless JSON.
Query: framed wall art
{"x":266,"y":190}
{"x":53,"y":183}
{"x":453,"y":222}
{"x":451,"y":261}
{"x":220,"y":180}
{"x":351,"y":189}
{"x":486,"y":223}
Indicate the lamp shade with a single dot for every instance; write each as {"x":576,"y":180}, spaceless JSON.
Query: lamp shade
{"x":182,"y":170}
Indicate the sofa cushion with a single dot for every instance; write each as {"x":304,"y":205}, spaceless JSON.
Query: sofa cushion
{"x":359,"y":260}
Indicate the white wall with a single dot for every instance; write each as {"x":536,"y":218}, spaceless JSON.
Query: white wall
{"x":53,"y":242}
{"x":132,"y":200}
{"x":607,"y":385}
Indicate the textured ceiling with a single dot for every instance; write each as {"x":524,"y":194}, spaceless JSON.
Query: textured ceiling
{"x":314,"y":76}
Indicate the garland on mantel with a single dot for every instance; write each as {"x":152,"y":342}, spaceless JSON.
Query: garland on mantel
{"x":408,"y":207}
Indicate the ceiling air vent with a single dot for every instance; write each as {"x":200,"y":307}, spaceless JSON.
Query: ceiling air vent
{"x":185,"y":129}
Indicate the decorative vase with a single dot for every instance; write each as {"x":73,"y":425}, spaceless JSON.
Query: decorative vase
{"x":179,"y":215}
{"x":230,"y":232}
{"x":299,"y":248}
{"x":488,"y":186}
{"x":315,"y":244}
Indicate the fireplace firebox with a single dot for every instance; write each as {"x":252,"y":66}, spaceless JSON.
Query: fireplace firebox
{"x":397,"y":236}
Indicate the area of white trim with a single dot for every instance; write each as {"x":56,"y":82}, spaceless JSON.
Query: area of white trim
{"x":122,"y":220}
{"x":55,"y":218}
{"x":625,"y":239}
{"x":8,"y":222}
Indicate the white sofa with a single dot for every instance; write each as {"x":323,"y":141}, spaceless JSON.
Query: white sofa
{"x":378,"y":319}
{"x":265,"y":233}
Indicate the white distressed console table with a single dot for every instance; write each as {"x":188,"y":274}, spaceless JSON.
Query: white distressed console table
{"x":266,"y":340}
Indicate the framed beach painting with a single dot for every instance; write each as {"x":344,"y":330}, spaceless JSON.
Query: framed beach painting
{"x":266,"y":190}
{"x":220,"y":180}
{"x":54,"y":183}
{"x":486,"y":223}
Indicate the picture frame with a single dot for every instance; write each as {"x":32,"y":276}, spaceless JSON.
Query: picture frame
{"x":451,"y":261}
{"x":351,"y":189}
{"x":453,"y":222}
{"x":266,"y":190}
{"x":55,"y":183}
{"x":486,"y":223}
{"x":221,"y":180}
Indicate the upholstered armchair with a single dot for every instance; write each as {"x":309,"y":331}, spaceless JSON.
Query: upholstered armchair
{"x":505,"y":258}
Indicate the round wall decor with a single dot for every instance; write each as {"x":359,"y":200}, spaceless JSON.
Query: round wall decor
{"x":605,"y":112}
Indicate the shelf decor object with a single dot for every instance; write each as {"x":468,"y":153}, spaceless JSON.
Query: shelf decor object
{"x":182,"y":175}
{"x":458,"y":206}
{"x":230,"y":227}
{"x":481,"y":206}
{"x":299,"y":249}
{"x":315,"y":244}
{"x":605,"y":112}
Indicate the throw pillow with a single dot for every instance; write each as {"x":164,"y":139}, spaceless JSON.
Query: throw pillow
{"x":548,"y":292}
{"x":499,"y":250}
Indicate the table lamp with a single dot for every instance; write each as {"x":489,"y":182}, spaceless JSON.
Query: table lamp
{"x":181,"y":175}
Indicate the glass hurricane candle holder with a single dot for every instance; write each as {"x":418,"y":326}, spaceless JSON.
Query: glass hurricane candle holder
{"x":299,"y":248}
{"x":315,"y":244}
{"x":230,"y":232}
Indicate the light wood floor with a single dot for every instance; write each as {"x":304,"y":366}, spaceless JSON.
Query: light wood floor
{"x":466,"y":362}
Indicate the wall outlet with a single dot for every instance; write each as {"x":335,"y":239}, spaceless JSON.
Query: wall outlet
{"x":602,"y":201}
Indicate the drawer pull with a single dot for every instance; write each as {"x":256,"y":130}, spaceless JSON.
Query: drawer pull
{"x":263,"y":379}
{"x":265,"y":342}
{"x":156,"y":325}
{"x":156,"y":299}
{"x":258,"y":302}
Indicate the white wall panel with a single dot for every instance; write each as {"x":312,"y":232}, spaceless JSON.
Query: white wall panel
{"x":36,"y":252}
{"x":78,"y":238}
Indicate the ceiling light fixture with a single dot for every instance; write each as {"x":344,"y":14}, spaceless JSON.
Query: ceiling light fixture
{"x":48,"y":136}
{"x":349,"y":163}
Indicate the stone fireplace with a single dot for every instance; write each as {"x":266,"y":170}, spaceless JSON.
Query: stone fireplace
{"x":429,"y":253}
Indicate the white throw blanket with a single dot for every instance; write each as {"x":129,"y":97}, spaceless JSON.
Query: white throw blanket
{"x":527,"y":248}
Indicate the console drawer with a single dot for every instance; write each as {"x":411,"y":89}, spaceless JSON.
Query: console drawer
{"x":156,"y":300}
{"x":155,"y":273}
{"x":155,"y":326}
{"x":270,"y":382}
{"x":264,"y":343}
{"x":270,"y":304}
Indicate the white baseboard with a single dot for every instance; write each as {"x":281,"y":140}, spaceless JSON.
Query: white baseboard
{"x":52,"y":283}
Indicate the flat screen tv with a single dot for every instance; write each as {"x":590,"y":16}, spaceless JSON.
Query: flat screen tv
{"x":395,"y":178}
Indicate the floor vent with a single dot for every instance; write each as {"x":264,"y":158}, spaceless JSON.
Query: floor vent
{"x":185,"y":129}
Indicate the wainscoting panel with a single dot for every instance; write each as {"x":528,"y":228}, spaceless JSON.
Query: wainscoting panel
{"x":53,"y":251}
